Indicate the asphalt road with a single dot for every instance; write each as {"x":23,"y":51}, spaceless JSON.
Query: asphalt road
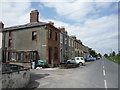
{"x":98,"y":74}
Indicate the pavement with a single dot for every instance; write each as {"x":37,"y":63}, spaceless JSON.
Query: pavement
{"x":97,"y":74}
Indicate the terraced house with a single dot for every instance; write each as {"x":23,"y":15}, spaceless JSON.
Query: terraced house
{"x":38,"y":40}
{"x":64,"y":49}
{"x":33,"y":41}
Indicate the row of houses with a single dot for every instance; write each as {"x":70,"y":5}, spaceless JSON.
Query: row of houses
{"x":38,"y":40}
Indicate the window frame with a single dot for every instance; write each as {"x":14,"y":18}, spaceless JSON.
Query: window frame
{"x":10,"y":43}
{"x":56,"y":36}
{"x":50,"y":34}
{"x":33,"y":37}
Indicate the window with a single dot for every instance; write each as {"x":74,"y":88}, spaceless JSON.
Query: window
{"x":50,"y":34}
{"x":73,"y":59}
{"x":82,"y":59}
{"x":10,"y":42}
{"x":65,"y":40}
{"x":9,"y":55}
{"x":61,"y":38}
{"x":50,"y":55}
{"x":10,"y":34}
{"x":34,"y":35}
{"x":56,"y":36}
{"x":69,"y":42}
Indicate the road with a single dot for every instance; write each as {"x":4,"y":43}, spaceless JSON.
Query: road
{"x":98,"y":74}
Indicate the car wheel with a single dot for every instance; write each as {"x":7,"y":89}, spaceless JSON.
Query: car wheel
{"x":81,"y":64}
{"x":68,"y":62}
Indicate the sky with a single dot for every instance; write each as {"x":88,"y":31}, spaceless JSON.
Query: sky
{"x":94,"y":22}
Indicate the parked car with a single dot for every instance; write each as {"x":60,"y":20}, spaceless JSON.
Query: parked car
{"x":97,"y":58}
{"x":81,"y":60}
{"x":92,"y":59}
{"x":40,"y":63}
{"x":72,"y":61}
{"x":76,"y":60}
{"x":87,"y":59}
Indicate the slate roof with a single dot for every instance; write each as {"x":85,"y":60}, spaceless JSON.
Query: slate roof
{"x":29,"y":25}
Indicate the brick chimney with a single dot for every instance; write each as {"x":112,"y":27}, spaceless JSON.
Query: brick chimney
{"x":1,"y":25}
{"x":34,"y":16}
{"x":62,"y":29}
{"x":51,"y":23}
{"x":74,"y":37}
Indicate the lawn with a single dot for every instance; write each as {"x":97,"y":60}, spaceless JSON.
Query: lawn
{"x":115,"y":59}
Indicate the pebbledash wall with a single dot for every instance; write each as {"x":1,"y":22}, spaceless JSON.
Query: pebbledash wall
{"x":15,"y":79}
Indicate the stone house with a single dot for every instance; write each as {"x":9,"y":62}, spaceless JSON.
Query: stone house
{"x":85,"y":51}
{"x":77,"y":47}
{"x":64,"y":49}
{"x":71,"y":47}
{"x":33,"y":41}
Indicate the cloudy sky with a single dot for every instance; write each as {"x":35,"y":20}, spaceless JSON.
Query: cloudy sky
{"x":94,"y":23}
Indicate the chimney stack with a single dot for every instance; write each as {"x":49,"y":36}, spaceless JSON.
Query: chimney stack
{"x":34,"y":16}
{"x":74,"y":37}
{"x":62,"y":29}
{"x":51,"y":23}
{"x":1,"y":25}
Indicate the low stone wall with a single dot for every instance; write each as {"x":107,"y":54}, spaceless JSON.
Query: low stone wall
{"x":66,"y":66}
{"x":25,"y":64}
{"x":15,"y":78}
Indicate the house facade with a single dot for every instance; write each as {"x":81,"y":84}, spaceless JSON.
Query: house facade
{"x":33,"y":41}
{"x":86,"y":53}
{"x":71,"y":47}
{"x":64,"y":49}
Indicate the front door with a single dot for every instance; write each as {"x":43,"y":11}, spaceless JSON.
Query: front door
{"x":50,"y":55}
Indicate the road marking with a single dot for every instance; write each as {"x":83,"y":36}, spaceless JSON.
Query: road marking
{"x":103,"y":67}
{"x":103,"y":72}
{"x":105,"y":82}
{"x":103,"y":62}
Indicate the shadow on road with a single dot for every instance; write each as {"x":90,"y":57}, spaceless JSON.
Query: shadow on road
{"x":33,"y":84}
{"x":38,"y":76}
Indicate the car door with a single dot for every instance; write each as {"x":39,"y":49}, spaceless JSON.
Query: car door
{"x":73,"y":60}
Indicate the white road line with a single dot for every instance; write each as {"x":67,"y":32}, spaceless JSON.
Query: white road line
{"x":103,"y":72}
{"x":103,"y":67}
{"x":103,"y":62}
{"x":105,"y":82}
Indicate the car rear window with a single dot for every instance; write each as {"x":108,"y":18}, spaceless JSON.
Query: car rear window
{"x":81,"y":58}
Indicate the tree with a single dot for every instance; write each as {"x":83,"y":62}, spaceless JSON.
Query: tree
{"x":105,"y":55}
{"x":93,"y":53}
{"x":113,"y":53}
{"x":99,"y":55}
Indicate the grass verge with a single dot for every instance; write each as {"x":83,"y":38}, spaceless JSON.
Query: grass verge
{"x":115,"y":59}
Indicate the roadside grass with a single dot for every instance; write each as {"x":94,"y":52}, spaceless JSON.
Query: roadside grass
{"x":115,"y":59}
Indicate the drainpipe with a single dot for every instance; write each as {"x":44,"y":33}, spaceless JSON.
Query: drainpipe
{"x":3,"y":48}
